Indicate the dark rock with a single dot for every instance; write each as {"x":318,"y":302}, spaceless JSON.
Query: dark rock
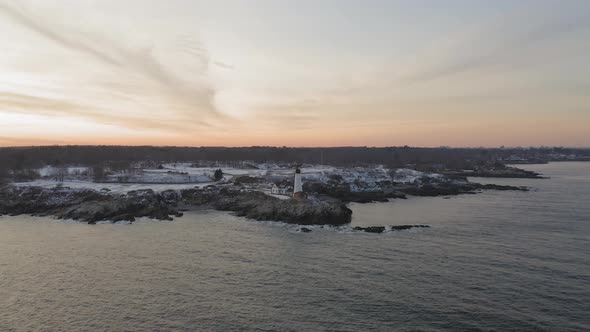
{"x":170,"y":196}
{"x":381,"y":229}
{"x":496,"y":172}
{"x":452,"y":189}
{"x":500,"y":187}
{"x":259,"y":206}
{"x":404,"y":227}
{"x":84,"y":205}
{"x":198,"y":197}
{"x":123,"y":217}
{"x":304,"y":230}
{"x":371,"y":229}
{"x":364,"y":197}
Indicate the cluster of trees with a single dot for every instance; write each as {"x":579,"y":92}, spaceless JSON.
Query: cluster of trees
{"x":14,"y":160}
{"x":16,"y":166}
{"x":218,"y":174}
{"x":3,"y":174}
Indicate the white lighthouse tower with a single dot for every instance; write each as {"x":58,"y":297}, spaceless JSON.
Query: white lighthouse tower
{"x":298,"y":185}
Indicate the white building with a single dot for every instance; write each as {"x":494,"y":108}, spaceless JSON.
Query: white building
{"x":282,"y":190}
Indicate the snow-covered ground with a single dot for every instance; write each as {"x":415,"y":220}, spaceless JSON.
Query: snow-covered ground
{"x":47,"y":171}
{"x":228,"y":172}
{"x":184,"y":172}
{"x":183,"y":176}
{"x":368,"y":178}
{"x":114,"y":187}
{"x":159,"y":176}
{"x":277,"y":196}
{"x":405,"y":175}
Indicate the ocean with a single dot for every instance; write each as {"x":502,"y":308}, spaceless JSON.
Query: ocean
{"x":494,"y":261}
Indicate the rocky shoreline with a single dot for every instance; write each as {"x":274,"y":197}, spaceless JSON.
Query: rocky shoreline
{"x":402,"y":191}
{"x":92,"y":206}
{"x":502,"y":172}
{"x":327,"y":205}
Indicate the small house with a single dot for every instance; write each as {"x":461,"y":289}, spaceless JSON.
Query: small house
{"x":280,"y":190}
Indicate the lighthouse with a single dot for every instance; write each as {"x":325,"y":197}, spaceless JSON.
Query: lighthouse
{"x":298,"y":185}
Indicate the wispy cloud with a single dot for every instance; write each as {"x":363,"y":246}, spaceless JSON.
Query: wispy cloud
{"x":28,"y":104}
{"x":181,"y":97}
{"x":223,"y":65}
{"x":510,"y":43}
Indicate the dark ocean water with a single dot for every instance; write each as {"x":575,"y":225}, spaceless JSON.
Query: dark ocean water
{"x":494,"y":261}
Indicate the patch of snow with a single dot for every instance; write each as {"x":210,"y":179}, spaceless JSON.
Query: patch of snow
{"x":113,"y":187}
{"x":208,"y":171}
{"x":368,"y":178}
{"x":48,"y":170}
{"x":283,"y":197}
{"x":159,"y":177}
{"x":404,"y":175}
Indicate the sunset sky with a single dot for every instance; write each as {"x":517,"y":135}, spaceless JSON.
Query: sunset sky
{"x":295,"y":73}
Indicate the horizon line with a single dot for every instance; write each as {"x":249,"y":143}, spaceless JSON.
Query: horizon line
{"x":301,"y":147}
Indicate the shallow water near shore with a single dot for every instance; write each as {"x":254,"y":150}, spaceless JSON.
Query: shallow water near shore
{"x":498,"y":260}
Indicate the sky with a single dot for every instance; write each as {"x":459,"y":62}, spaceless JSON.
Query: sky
{"x":295,"y":73}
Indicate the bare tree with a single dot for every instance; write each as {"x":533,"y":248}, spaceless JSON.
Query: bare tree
{"x":98,"y":174}
{"x":61,"y":172}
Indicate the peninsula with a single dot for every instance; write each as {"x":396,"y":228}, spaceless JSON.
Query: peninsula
{"x":290,"y":192}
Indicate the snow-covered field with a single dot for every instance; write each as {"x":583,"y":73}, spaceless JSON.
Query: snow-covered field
{"x":179,"y":176}
{"x":114,"y":187}
{"x":186,"y":168}
{"x":160,"y":176}
{"x":72,"y":170}
{"x":262,"y":170}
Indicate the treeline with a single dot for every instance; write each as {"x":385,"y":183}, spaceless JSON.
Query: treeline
{"x":20,"y":158}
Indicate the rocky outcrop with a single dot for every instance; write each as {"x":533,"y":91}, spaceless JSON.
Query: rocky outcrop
{"x":442,"y":188}
{"x":381,"y":229}
{"x":259,"y":206}
{"x":502,"y":172}
{"x":371,"y":229}
{"x":450,"y":189}
{"x":370,"y":196}
{"x":93,"y":206}
{"x":85,"y":205}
